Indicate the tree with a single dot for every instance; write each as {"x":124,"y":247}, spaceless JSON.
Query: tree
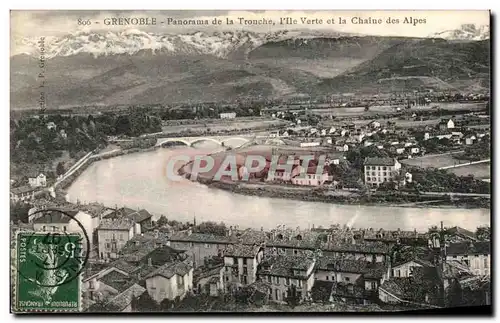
{"x":211,"y":227}
{"x":293,"y":298}
{"x":483,"y":233}
{"x":19,"y":212}
{"x":60,"y":169}
{"x":162,"y":221}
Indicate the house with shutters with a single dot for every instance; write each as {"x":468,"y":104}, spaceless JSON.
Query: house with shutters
{"x":286,"y":274}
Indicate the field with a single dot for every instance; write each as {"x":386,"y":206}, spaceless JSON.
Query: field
{"x":223,"y":125}
{"x":436,"y":161}
{"x":480,"y":171}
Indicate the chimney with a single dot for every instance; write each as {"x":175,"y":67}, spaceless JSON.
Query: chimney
{"x":150,"y":262}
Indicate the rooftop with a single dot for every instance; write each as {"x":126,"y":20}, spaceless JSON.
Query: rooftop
{"x":56,"y":217}
{"x":287,"y":266}
{"x":201,"y":237}
{"x":469,"y":248}
{"x":135,"y":215}
{"x":168,"y":270}
{"x":117,"y":280}
{"x":242,"y":251}
{"x":379,"y":161}
{"x":461,"y":231}
{"x":358,"y":266}
{"x":121,"y":301}
{"x":115,"y":224}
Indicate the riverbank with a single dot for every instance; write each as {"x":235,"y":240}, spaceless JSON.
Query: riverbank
{"x":393,"y":199}
{"x":107,"y":155}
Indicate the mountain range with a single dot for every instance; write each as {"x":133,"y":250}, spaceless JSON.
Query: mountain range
{"x":135,"y":67}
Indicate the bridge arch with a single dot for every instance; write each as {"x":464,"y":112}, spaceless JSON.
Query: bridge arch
{"x":198,"y":140}
{"x":226,"y":140}
{"x":174,"y":140}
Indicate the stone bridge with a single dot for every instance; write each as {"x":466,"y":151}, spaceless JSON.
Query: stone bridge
{"x":229,"y":141}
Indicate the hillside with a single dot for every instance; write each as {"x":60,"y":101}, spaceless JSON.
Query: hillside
{"x":144,"y":69}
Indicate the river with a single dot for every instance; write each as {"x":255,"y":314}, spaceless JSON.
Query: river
{"x":138,"y":181}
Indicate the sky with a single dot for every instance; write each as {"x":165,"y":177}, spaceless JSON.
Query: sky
{"x":56,"y":23}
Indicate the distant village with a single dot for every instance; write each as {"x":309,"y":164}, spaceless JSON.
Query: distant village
{"x":137,"y":264}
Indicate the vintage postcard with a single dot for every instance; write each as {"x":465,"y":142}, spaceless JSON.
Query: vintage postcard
{"x":250,"y":161}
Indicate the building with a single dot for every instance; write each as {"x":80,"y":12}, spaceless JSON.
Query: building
{"x":446,"y":124}
{"x":423,"y":289}
{"x":71,"y":221}
{"x":228,"y":115}
{"x":405,"y":269}
{"x":240,"y":264}
{"x":141,"y":217}
{"x":22,"y":193}
{"x":113,"y":234}
{"x":310,"y":177}
{"x":476,"y":255}
{"x":209,"y":279}
{"x":38,"y":181}
{"x":170,"y":281}
{"x":288,"y":273}
{"x":200,"y":245}
{"x":374,"y":124}
{"x":110,"y":290}
{"x":380,"y":170}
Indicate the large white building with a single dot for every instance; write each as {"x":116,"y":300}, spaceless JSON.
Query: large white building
{"x":240,"y":264}
{"x":170,"y":281}
{"x":113,"y":234}
{"x":228,"y":115}
{"x":380,"y":170}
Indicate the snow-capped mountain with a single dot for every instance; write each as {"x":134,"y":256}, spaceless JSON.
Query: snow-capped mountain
{"x":219,"y":44}
{"x":466,"y":32}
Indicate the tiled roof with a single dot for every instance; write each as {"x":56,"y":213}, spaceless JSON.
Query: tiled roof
{"x":135,"y":215}
{"x":121,"y":301}
{"x":358,"y":247}
{"x":469,"y":248}
{"x":294,"y":239}
{"x":369,"y":270}
{"x":250,"y":237}
{"x":379,"y":161}
{"x":170,"y":269}
{"x":55,"y":217}
{"x":117,"y":280}
{"x":455,"y":269}
{"x":201,"y":237}
{"x":204,"y":272}
{"x":146,"y":238}
{"x":461,"y":231}
{"x":425,"y":281}
{"x":123,"y":265}
{"x":240,"y":250}
{"x":116,"y":224}
{"x":286,"y":266}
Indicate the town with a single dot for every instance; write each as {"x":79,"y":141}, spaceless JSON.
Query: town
{"x":136,"y":264}
{"x":140,"y":264}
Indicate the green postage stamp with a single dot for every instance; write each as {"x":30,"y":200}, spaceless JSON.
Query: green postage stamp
{"x":47,"y":275}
